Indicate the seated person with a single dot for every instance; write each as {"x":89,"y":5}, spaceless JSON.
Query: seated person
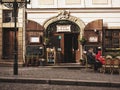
{"x":91,"y":57}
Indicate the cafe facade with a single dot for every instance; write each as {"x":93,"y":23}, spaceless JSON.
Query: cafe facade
{"x":58,"y":31}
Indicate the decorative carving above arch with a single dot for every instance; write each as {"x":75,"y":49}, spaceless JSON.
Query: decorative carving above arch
{"x":63,"y":15}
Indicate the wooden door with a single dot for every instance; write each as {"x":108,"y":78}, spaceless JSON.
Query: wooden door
{"x":68,"y":55}
{"x":8,"y":43}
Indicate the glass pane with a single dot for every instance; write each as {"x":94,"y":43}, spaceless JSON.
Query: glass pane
{"x":108,"y":33}
{"x":116,"y":41}
{"x":116,"y":33}
{"x":7,"y":16}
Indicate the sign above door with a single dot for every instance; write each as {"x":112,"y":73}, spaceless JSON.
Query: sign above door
{"x":63,"y":28}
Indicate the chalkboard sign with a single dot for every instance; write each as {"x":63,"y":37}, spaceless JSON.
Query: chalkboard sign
{"x":35,"y":50}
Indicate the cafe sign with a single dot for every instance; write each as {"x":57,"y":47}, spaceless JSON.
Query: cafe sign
{"x":93,"y":39}
{"x":63,"y":28}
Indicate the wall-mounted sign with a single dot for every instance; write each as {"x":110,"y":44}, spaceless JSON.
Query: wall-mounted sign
{"x":34,"y":40}
{"x":93,"y":39}
{"x":59,"y":37}
{"x":63,"y":28}
{"x":59,"y":49}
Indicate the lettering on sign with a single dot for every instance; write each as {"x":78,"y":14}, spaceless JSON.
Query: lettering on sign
{"x":63,"y":28}
{"x":93,"y":39}
{"x":34,"y":39}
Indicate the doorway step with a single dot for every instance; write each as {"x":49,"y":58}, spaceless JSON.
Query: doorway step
{"x":67,"y":65}
{"x":9,"y":64}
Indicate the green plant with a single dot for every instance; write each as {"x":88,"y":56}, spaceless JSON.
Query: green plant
{"x":46,"y":40}
{"x":83,"y":40}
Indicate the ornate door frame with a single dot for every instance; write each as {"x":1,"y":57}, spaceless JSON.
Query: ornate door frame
{"x":65,"y":15}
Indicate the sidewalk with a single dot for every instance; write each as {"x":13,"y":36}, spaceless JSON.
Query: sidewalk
{"x":59,"y":76}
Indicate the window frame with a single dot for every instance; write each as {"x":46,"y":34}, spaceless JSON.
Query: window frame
{"x":109,"y":40}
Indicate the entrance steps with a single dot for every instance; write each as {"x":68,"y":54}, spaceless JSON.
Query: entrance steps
{"x":57,"y":65}
{"x":67,"y":65}
{"x":9,"y":64}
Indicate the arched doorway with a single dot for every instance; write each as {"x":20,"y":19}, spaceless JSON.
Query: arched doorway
{"x":63,"y":35}
{"x":63,"y":32}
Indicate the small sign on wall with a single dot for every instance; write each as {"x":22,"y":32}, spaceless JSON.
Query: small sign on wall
{"x":93,"y":39}
{"x":63,"y":28}
{"x":34,"y":40}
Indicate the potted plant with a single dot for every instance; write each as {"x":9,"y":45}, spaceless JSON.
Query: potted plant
{"x":46,"y":40}
{"x":82,"y":61}
{"x":83,"y":40}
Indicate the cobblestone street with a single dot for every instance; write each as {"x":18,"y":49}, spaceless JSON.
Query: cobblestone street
{"x":50,"y":73}
{"x":59,"y":73}
{"x":19,"y":86}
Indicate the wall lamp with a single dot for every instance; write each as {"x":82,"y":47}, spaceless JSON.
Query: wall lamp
{"x":96,"y":31}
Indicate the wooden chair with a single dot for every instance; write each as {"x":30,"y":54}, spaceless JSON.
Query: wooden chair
{"x":37,"y":60}
{"x":27,"y":60}
{"x":108,"y":66}
{"x":84,"y":56}
{"x":116,"y":65}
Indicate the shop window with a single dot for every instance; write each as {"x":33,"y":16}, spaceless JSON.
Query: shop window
{"x":8,"y":16}
{"x":112,"y":39}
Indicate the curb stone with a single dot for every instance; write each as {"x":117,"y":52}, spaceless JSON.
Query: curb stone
{"x":60,"y":82}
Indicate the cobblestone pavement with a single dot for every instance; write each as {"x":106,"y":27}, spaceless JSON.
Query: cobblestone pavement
{"x":59,"y":73}
{"x":20,"y":86}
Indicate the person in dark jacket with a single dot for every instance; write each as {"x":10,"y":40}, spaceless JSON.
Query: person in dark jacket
{"x":91,"y":56}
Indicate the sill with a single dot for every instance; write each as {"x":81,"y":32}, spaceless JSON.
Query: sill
{"x":112,"y":49}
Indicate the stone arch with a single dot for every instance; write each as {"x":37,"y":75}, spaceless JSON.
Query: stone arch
{"x":65,"y":16}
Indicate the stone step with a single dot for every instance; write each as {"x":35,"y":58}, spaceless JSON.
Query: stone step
{"x":9,"y":64}
{"x":67,"y":65}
